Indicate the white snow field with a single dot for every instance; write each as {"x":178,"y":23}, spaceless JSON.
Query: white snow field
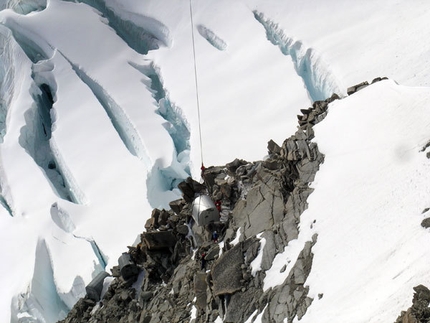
{"x":99,"y":123}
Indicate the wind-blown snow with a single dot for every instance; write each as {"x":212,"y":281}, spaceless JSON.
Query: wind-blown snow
{"x":105,"y":89}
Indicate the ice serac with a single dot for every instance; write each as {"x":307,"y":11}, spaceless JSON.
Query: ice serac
{"x":6,"y":78}
{"x":42,"y":304}
{"x":212,"y":38}
{"x":309,"y":65}
{"x":33,"y":45}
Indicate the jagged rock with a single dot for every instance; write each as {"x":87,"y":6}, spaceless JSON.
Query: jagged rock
{"x":146,"y":296}
{"x":152,"y":222}
{"x":212,"y":253}
{"x":242,"y":305}
{"x":252,"y":252}
{"x":266,"y":196}
{"x":264,"y":205}
{"x":235,"y":164}
{"x":272,"y":164}
{"x":177,"y":205}
{"x":419,"y":312}
{"x":356,"y":87}
{"x":295,"y":206}
{"x":159,"y":240}
{"x":163,"y":217}
{"x":273,"y":148}
{"x":189,"y":188}
{"x":227,"y":272}
{"x":182,"y":229}
{"x":200,"y":287}
{"x":378,"y":79}
{"x":290,"y":299}
{"x":269,"y":251}
{"x":426,"y":223}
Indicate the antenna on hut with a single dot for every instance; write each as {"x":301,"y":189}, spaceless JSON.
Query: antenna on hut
{"x":197,"y":86}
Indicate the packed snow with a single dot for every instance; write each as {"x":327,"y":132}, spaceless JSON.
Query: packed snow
{"x":99,"y":123}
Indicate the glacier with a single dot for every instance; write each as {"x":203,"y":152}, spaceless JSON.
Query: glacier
{"x":98,"y":125}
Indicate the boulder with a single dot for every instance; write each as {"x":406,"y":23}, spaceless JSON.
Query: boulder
{"x":425,"y":223}
{"x":419,"y":311}
{"x":273,"y":148}
{"x":182,"y":229}
{"x":177,"y":205}
{"x":189,"y":188}
{"x":235,"y":164}
{"x":159,"y":240}
{"x":357,"y":87}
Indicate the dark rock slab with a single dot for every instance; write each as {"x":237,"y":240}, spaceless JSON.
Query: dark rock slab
{"x":159,"y":240}
{"x":189,"y":188}
{"x":177,"y":205}
{"x":242,"y":305}
{"x":357,"y":87}
{"x":227,"y":272}
{"x":426,"y":223}
{"x":200,"y":287}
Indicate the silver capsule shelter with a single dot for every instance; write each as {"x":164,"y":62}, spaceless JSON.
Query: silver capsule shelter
{"x":204,"y":210}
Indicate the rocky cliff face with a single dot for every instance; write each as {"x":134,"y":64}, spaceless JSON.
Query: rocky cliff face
{"x":179,"y":272}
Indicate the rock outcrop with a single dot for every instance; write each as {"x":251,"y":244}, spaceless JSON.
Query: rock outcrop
{"x":419,"y":312}
{"x":186,"y":275}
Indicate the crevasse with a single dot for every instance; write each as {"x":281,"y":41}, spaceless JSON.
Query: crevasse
{"x":319,"y":81}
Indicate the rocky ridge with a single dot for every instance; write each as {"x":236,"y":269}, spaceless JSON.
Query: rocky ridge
{"x":181,"y":273}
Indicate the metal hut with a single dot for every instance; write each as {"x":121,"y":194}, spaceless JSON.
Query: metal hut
{"x":204,"y":210}
{"x":94,"y":289}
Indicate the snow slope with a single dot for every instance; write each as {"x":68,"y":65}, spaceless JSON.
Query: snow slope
{"x":98,"y":124}
{"x":372,"y":189}
{"x":367,"y":207}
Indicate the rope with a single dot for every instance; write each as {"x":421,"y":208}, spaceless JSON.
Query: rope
{"x":196,"y":83}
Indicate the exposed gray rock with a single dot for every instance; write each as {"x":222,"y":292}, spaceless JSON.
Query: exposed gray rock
{"x":227,"y":271}
{"x":262,"y":197}
{"x":378,"y":79}
{"x":177,"y":205}
{"x":290,"y":299}
{"x":200,"y":287}
{"x":419,"y":312}
{"x":269,"y":251}
{"x":273,"y":147}
{"x":189,"y":188}
{"x":242,"y":304}
{"x":182,"y":229}
{"x":159,"y":240}
{"x":357,"y":87}
{"x":426,"y":223}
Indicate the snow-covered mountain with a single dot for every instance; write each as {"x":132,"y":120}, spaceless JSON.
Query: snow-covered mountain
{"x":99,"y":123}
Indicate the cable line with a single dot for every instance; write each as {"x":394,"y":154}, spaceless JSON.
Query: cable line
{"x":196,"y":83}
